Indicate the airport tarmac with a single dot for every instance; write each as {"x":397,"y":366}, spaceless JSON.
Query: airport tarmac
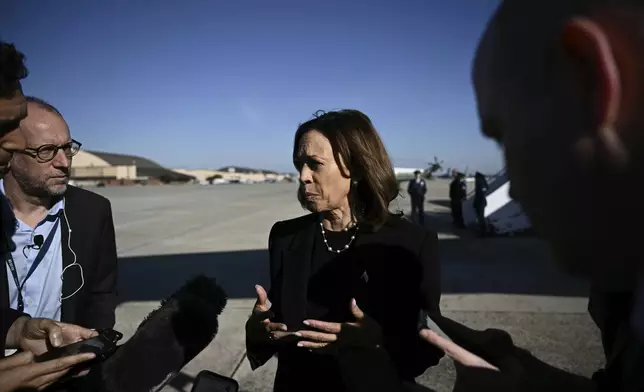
{"x":167,"y":234}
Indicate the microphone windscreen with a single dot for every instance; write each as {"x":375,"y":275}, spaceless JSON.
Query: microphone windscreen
{"x":166,"y":340}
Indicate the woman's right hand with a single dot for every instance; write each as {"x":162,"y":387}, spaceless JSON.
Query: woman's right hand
{"x":20,"y":371}
{"x":259,"y":328}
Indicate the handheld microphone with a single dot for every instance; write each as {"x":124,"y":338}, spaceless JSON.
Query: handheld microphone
{"x":165,"y":341}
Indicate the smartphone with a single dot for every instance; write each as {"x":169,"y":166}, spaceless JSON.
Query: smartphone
{"x":207,"y":381}
{"x":102,"y":345}
{"x":426,"y":322}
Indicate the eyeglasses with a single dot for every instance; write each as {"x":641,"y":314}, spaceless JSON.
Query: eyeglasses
{"x":47,"y":152}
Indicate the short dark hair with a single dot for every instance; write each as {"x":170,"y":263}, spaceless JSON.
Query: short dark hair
{"x":12,"y":69}
{"x":43,"y":104}
{"x":356,"y":142}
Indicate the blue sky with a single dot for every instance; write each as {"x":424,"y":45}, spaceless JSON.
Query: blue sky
{"x":203,"y":84}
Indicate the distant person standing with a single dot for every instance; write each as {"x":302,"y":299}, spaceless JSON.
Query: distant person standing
{"x":480,"y":202}
{"x":417,"y":190}
{"x":457,"y":194}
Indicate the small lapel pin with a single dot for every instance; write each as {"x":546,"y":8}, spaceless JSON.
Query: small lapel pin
{"x":365,"y":277}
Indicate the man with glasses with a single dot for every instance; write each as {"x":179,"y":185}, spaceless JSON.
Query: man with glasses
{"x":18,"y":329}
{"x":64,"y":265}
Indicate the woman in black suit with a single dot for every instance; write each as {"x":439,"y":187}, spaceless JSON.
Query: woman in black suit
{"x":348,"y":280}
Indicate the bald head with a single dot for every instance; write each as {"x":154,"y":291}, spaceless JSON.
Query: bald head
{"x":44,"y":125}
{"x":43,"y":169}
{"x":521,"y":47}
{"x":43,"y":105}
{"x":522,"y":40}
{"x":559,"y":85}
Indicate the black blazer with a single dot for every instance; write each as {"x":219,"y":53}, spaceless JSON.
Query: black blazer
{"x":417,"y":189}
{"x":401,"y":261}
{"x":93,"y":241}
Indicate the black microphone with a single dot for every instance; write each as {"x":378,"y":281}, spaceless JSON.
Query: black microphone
{"x":165,"y":341}
{"x":38,"y":241}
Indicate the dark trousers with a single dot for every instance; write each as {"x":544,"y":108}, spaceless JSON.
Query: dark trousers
{"x":457,"y":213}
{"x":418,"y":209}
{"x":612,"y":312}
{"x":480,"y":219}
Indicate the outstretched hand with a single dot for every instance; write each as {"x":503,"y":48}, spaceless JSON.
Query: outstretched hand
{"x":330,"y":337}
{"x":259,"y":327}
{"x":454,"y":351}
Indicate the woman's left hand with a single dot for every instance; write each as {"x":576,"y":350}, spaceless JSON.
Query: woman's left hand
{"x":365,"y":332}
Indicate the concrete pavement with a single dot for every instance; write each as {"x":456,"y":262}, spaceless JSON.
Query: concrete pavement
{"x":167,"y":234}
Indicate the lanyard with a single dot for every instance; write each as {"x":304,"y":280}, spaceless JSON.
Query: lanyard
{"x":41,"y":255}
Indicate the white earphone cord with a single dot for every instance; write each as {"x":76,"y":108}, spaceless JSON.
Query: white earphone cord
{"x":74,"y":263}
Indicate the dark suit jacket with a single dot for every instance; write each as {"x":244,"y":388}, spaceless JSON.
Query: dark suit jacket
{"x":93,"y":241}
{"x":417,"y":190}
{"x":401,"y":260}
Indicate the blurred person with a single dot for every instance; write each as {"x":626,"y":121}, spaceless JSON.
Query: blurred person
{"x":480,"y":202}
{"x":17,"y":329}
{"x":349,"y":279}
{"x":65,"y":264}
{"x":417,"y":188}
{"x":457,"y":195}
{"x":559,"y":85}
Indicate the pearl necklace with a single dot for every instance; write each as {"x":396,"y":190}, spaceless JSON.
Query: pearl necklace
{"x":326,"y":242}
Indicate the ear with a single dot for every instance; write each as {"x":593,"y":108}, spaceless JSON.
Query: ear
{"x":587,"y":40}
